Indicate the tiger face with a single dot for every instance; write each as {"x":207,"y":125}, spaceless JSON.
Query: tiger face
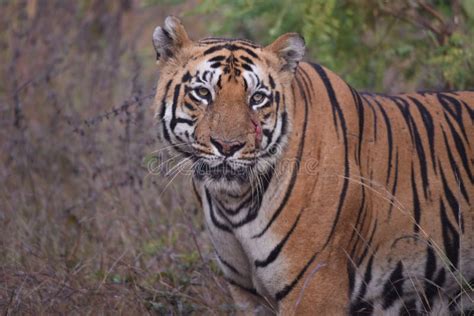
{"x":224,"y":103}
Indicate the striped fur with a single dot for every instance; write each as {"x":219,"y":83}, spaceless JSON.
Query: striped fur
{"x":320,"y":199}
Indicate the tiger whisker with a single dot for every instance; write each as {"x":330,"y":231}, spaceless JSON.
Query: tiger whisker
{"x":181,"y":163}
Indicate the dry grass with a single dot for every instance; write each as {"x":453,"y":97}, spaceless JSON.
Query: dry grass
{"x":83,"y":228}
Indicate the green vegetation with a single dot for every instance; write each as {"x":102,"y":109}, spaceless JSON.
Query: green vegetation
{"x":374,"y":44}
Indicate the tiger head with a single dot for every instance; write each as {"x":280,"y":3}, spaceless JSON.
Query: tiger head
{"x":224,"y":103}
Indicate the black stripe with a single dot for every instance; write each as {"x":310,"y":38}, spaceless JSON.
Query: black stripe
{"x":192,"y":97}
{"x":237,"y":210}
{"x":368,"y":244}
{"x":246,"y":86}
{"x":189,"y":106}
{"x":174,"y":106}
{"x":219,"y":40}
{"x":186,"y":77}
{"x":276,"y":250}
{"x":217,"y":58}
{"x":393,"y":288}
{"x":402,"y":105}
{"x":430,"y":266}
{"x":231,"y":47}
{"x":360,"y":113}
{"x":455,"y":168}
{"x":246,"y":42}
{"x":331,"y":94}
{"x":452,"y":201}
{"x":367,"y":277}
{"x":374,"y":113}
{"x":363,"y":308}
{"x":335,"y":104}
{"x":284,"y":124}
{"x":181,"y":120}
{"x":454,"y":108}
{"x":163,"y":101}
{"x":421,"y":160}
{"x":359,"y":216}
{"x":272,"y":82}
{"x":460,"y":148}
{"x":351,"y":276}
{"x":247,"y":67}
{"x":429,"y":126}
{"x":416,"y":140}
{"x":287,"y":289}
{"x":469,"y":110}
{"x":307,"y":84}
{"x":450,"y":238}
{"x":213,"y":216}
{"x":224,"y":216}
{"x":360,"y":306}
{"x":247,"y":60}
{"x":389,"y":139}
{"x":430,"y":286}
{"x":205,"y":74}
{"x":265,"y":179}
{"x":270,"y":135}
{"x":416,"y":202}
{"x":257,"y":79}
{"x":228,"y":265}
{"x":394,"y":187}
{"x":246,"y":289}
{"x":166,"y":133}
{"x":253,"y":209}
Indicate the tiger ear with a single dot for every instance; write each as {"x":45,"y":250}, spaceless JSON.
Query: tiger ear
{"x":290,"y":47}
{"x":169,"y":39}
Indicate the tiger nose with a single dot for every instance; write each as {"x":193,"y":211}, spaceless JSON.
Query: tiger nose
{"x":227,"y":148}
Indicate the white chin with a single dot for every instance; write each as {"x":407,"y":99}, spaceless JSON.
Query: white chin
{"x":223,"y":185}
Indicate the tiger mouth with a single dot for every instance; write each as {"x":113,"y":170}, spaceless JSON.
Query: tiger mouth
{"x":223,"y":171}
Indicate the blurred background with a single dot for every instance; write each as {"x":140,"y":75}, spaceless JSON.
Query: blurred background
{"x":85,"y":227}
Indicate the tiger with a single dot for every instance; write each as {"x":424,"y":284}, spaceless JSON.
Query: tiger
{"x":319,"y":199}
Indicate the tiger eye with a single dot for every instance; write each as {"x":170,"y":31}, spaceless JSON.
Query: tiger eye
{"x":203,"y":92}
{"x":257,"y":97}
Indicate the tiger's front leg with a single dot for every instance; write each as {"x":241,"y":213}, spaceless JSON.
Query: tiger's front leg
{"x":322,"y":291}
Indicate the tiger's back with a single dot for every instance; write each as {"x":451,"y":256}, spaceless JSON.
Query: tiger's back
{"x":398,"y":170}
